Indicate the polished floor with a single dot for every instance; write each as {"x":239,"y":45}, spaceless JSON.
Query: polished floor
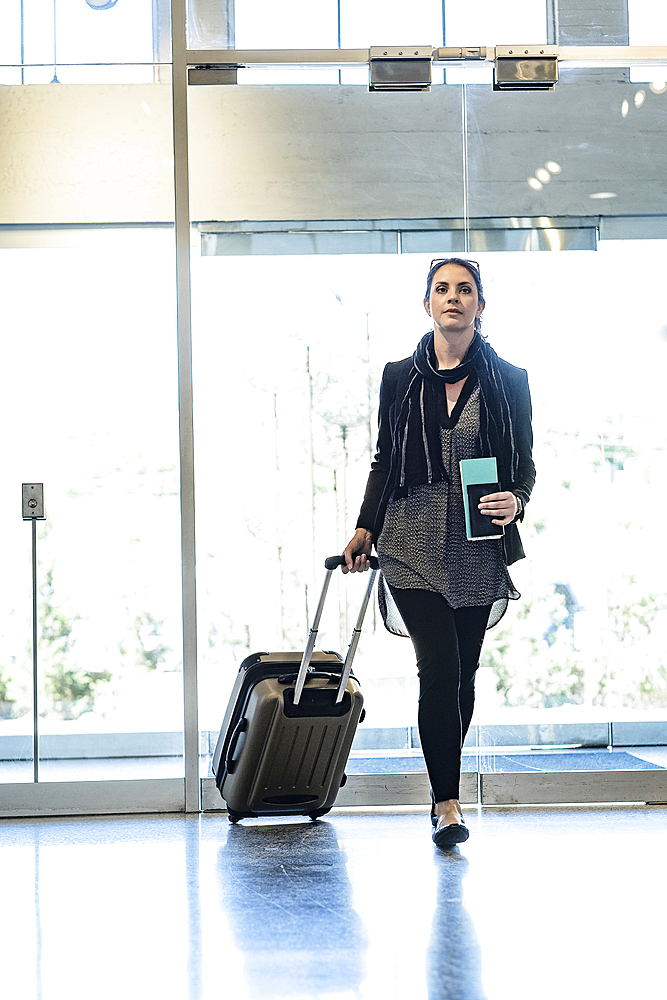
{"x":541,"y":902}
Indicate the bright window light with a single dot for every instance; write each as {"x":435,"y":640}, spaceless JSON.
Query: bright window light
{"x":647,"y":25}
{"x":370,"y":22}
{"x":493,"y":22}
{"x":120,"y":34}
{"x":290,"y":24}
{"x":390,"y":22}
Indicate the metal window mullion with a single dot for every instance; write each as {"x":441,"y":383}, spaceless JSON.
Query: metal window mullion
{"x":186,"y":435}
{"x":35,"y":641}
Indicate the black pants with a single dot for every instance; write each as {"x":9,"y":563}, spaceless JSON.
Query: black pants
{"x":448,"y":643}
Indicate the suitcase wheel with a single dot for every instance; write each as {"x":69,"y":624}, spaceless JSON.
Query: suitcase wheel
{"x":319,"y":812}
{"x":233,"y":817}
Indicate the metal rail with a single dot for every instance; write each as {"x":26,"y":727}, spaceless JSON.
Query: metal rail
{"x":569,"y":56}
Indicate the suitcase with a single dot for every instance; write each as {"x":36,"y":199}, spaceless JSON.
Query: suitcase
{"x":289,"y":726}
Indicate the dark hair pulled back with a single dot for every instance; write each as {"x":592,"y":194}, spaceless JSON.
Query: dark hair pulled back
{"x":471,"y":268}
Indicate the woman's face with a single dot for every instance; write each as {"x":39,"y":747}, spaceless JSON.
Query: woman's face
{"x":453,"y":304}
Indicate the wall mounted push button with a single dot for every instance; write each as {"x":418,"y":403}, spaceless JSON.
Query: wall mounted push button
{"x":32,"y":496}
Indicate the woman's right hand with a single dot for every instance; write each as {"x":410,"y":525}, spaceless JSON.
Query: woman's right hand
{"x":357,"y":552}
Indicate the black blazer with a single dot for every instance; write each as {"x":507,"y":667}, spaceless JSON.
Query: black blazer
{"x":392,"y":390}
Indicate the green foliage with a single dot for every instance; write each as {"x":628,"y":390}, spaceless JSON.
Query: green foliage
{"x":7,"y":702}
{"x":612,"y":449}
{"x":150,"y":651}
{"x":5,"y":681}
{"x":630,"y":617}
{"x":637,"y":671}
{"x":65,"y":685}
{"x":533,"y":656}
{"x":71,"y":690}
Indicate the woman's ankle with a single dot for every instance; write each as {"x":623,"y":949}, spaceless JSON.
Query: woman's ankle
{"x":447,"y":806}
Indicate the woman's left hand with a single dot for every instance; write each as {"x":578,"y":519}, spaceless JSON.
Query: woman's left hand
{"x":502,"y":507}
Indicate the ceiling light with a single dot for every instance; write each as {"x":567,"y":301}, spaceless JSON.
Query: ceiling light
{"x":659,"y":86}
{"x":625,"y":107}
{"x":543,"y":175}
{"x":554,"y":167}
{"x":640,"y":97}
{"x":534,"y":183}
{"x":603,"y":194}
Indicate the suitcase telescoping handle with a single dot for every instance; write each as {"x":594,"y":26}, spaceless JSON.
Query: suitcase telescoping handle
{"x":330,"y":565}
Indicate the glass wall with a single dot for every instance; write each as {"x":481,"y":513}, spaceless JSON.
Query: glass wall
{"x":289,"y":347}
{"x":82,"y":41}
{"x":584,"y":644}
{"x":89,"y":404}
{"x":577,"y":661}
{"x":89,"y":400}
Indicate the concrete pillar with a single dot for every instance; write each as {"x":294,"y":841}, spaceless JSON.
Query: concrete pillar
{"x":589,"y":22}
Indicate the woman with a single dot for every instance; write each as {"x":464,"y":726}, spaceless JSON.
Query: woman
{"x":453,"y":399}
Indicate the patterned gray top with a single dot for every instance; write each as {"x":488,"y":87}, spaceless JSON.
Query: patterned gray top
{"x":423,"y":544}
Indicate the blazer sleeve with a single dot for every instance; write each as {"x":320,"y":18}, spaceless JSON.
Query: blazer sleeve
{"x":377,"y":479}
{"x":523,"y":426}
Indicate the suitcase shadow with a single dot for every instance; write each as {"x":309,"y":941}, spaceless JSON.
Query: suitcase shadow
{"x":286,"y":894}
{"x":453,"y":956}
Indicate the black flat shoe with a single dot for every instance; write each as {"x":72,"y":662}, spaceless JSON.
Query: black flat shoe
{"x":434,"y":818}
{"x":448,"y":836}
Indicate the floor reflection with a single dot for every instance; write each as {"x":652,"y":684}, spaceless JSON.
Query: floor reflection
{"x":356,"y":907}
{"x":453,"y":956}
{"x":287,"y":896}
{"x":38,"y":919}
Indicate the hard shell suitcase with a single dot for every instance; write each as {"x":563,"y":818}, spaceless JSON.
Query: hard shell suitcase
{"x":289,"y":726}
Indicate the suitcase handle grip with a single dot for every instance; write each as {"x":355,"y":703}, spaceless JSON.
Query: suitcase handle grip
{"x":333,"y":561}
{"x":230,"y":763}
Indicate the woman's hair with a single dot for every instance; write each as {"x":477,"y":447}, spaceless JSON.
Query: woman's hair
{"x":472,"y":269}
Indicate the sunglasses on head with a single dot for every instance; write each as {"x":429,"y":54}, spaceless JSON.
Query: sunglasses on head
{"x":452,"y":260}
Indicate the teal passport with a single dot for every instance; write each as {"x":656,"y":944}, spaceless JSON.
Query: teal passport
{"x":479,"y":476}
